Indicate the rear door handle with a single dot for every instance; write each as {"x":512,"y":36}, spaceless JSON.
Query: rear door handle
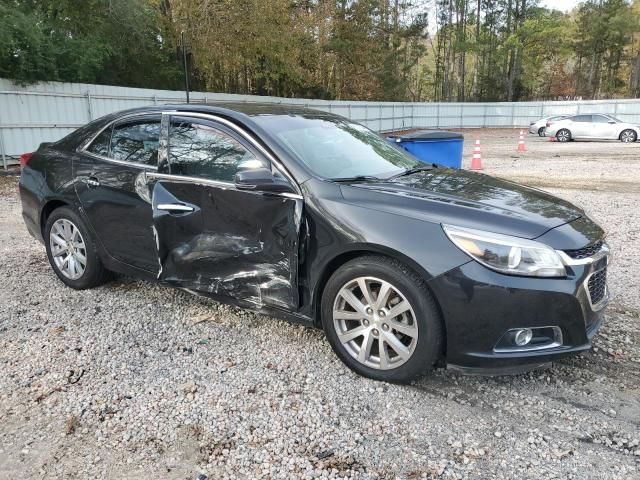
{"x":93,"y":182}
{"x":175,"y":207}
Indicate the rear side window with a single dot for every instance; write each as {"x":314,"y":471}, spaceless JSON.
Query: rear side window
{"x":600,"y":119}
{"x":100,"y":146}
{"x":200,"y":150}
{"x":582,"y":118}
{"x":136,"y":142}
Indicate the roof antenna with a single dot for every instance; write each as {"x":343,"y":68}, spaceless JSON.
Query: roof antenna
{"x":186,"y":68}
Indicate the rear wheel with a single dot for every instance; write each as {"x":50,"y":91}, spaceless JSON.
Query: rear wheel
{"x":71,"y":250}
{"x":541,"y":132}
{"x":628,"y":136}
{"x":563,"y":135}
{"x":381,"y":320}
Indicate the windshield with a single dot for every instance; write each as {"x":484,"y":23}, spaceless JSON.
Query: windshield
{"x":336,"y":148}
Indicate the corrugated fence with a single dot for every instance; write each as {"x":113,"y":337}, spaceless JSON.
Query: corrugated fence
{"x":48,"y":111}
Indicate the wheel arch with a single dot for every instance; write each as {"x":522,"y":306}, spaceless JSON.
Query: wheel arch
{"x":636,"y":131}
{"x":47,"y":210}
{"x":361,"y":250}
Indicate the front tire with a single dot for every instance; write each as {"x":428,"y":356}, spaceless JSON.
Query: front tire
{"x":71,"y":251}
{"x":628,"y":136}
{"x":563,"y":135}
{"x":381,"y":320}
{"x":541,"y":131}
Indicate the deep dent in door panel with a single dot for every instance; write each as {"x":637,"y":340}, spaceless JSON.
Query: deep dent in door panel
{"x":256,"y":270}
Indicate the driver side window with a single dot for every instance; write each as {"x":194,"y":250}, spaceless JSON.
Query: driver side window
{"x":198,"y":149}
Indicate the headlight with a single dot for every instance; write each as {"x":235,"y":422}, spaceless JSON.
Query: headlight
{"x":512,"y":255}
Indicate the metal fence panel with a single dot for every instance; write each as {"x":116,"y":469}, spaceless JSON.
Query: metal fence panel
{"x":48,"y":111}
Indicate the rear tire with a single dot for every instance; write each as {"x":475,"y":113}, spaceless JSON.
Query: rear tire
{"x":394,"y":338}
{"x":628,"y":136}
{"x":563,"y":135}
{"x":71,"y":251}
{"x":541,"y":132}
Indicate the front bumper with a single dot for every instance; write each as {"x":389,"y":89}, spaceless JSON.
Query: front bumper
{"x":480,"y":305}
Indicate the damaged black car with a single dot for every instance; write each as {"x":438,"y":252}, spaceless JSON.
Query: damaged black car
{"x":308,"y":216}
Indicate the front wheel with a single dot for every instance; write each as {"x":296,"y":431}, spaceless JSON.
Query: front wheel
{"x":381,"y":320}
{"x":541,"y":132}
{"x":563,"y":135}
{"x":628,"y":136}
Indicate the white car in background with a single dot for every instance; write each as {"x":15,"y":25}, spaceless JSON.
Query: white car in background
{"x":539,"y":125}
{"x":597,"y":126}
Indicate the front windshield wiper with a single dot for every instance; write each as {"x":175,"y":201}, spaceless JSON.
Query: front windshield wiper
{"x":357,"y":178}
{"x":412,"y":170}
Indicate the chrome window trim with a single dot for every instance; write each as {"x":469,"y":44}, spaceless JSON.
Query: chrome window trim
{"x":206,"y":116}
{"x":121,"y":162}
{"x":245,"y":135}
{"x":215,"y":183}
{"x":82,"y":147}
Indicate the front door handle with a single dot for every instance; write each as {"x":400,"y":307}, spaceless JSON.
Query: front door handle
{"x":175,"y":207}
{"x":93,"y":182}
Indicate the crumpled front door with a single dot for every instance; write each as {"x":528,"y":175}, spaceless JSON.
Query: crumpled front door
{"x":226,"y":242}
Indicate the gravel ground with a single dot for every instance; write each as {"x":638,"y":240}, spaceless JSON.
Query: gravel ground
{"x":134,"y":380}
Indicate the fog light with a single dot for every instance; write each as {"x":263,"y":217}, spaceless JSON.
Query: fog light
{"x":523,"y":337}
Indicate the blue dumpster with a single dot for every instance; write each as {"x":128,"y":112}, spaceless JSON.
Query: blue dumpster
{"x":432,"y":146}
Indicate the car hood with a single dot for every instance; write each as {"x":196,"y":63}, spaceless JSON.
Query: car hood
{"x":467,"y":199}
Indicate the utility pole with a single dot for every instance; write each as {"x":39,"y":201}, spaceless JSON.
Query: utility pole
{"x":186,"y":68}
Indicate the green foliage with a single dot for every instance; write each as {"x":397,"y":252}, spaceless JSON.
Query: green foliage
{"x":95,"y":41}
{"x":461,"y":50}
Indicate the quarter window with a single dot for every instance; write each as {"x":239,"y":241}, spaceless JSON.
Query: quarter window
{"x":136,"y":142}
{"x":200,"y":150}
{"x":100,"y":146}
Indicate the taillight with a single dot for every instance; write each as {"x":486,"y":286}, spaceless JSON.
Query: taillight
{"x":24,"y":159}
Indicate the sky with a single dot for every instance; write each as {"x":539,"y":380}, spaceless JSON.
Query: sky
{"x":563,"y":5}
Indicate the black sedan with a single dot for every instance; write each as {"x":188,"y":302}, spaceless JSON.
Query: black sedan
{"x":311,"y":217}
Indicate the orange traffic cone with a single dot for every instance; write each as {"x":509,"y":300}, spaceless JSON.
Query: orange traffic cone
{"x":476,"y":160}
{"x":521,"y":147}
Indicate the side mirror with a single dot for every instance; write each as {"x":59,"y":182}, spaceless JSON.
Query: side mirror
{"x":261,"y":180}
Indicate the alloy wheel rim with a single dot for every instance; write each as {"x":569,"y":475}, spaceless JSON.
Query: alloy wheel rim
{"x":375,"y":323}
{"x":563,"y":136}
{"x":68,"y":249}
{"x":627,"y":137}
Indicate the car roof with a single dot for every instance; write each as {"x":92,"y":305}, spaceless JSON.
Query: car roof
{"x":233,"y":109}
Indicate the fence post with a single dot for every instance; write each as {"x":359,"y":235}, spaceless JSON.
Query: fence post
{"x":89,"y":108}
{"x":484,"y":115}
{"x":366,"y":115}
{"x":393,"y":116}
{"x":155,"y":99}
{"x":513,"y":114}
{"x":4,"y":157}
{"x":438,"y":115}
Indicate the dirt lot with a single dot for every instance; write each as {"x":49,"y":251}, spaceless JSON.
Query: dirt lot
{"x":133,"y":380}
